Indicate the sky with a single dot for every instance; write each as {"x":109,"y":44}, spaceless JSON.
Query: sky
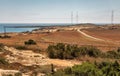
{"x":59,"y":11}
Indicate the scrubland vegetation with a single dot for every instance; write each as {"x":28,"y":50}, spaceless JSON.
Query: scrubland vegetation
{"x":6,"y":36}
{"x":63,"y":51}
{"x":91,"y":69}
{"x":21,"y":47}
{"x":67,"y":51}
{"x":30,"y":42}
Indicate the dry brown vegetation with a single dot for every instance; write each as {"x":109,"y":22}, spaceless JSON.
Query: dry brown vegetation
{"x":43,"y":40}
{"x":109,"y":34}
{"x":19,"y":39}
{"x":68,"y":37}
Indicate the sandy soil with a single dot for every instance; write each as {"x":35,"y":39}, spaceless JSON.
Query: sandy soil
{"x":104,"y":34}
{"x":104,"y":39}
{"x":7,"y":72}
{"x":29,"y":58}
{"x":88,"y":36}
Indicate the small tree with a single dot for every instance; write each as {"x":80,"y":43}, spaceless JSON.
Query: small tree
{"x":52,"y":69}
{"x":118,"y":50}
{"x":3,"y":61}
{"x":30,"y":42}
{"x":18,"y":74}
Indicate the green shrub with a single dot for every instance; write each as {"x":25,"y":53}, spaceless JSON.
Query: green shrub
{"x":63,"y":51}
{"x":113,"y":54}
{"x":7,"y":75}
{"x":94,"y":52}
{"x":34,"y":73}
{"x":30,"y":42}
{"x":46,"y":69}
{"x":2,"y":47}
{"x":18,"y":74}
{"x":68,"y":70}
{"x":118,"y":50}
{"x":21,"y":47}
{"x":3,"y":61}
{"x":6,"y":36}
{"x":37,"y":50}
{"x":91,"y":69}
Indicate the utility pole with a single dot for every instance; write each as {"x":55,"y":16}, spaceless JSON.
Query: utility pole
{"x":72,"y":17}
{"x":77,"y":16}
{"x":112,"y":18}
{"x":4,"y":31}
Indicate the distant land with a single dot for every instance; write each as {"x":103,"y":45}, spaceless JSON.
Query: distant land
{"x":37,"y":24}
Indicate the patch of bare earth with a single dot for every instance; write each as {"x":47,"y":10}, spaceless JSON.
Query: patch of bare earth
{"x":109,"y":34}
{"x":74,"y":37}
{"x":43,"y":40}
{"x":29,"y":58}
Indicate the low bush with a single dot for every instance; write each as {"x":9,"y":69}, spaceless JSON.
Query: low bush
{"x":21,"y":47}
{"x":113,"y":54}
{"x":18,"y":74}
{"x":30,"y":42}
{"x":3,"y":61}
{"x":7,"y":75}
{"x":37,"y":50}
{"x":2,"y":47}
{"x":91,"y":69}
{"x":63,"y":51}
{"x":6,"y":36}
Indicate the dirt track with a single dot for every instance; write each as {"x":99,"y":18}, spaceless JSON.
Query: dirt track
{"x":89,"y":36}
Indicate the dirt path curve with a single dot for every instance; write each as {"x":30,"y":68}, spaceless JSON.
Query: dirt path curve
{"x":98,"y":39}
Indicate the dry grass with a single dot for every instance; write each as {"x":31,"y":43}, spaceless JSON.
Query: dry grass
{"x":19,"y":39}
{"x":69,"y":37}
{"x":74,"y":37}
{"x":108,"y":34}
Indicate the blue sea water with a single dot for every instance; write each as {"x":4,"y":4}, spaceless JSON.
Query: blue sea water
{"x":25,"y":24}
{"x":32,"y":24}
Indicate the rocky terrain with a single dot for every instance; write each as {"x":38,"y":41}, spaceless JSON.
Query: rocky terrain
{"x":34,"y":57}
{"x":29,"y":58}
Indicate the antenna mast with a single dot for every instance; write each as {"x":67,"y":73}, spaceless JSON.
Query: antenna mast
{"x":77,"y":16}
{"x":112,"y":18}
{"x":72,"y":18}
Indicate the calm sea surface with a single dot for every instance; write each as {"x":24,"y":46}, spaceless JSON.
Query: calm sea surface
{"x":32,"y":24}
{"x":25,"y":29}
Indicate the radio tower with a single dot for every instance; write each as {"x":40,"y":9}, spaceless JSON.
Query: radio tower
{"x":72,"y":18}
{"x":77,"y":16}
{"x":112,"y":18}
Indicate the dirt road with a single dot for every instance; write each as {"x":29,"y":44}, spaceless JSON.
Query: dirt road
{"x":98,"y":39}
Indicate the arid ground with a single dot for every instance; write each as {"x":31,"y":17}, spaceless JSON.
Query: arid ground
{"x":105,"y":38}
{"x":110,"y":38}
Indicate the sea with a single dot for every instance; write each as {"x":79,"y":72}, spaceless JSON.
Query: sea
{"x":33,"y":24}
{"x":27,"y":24}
